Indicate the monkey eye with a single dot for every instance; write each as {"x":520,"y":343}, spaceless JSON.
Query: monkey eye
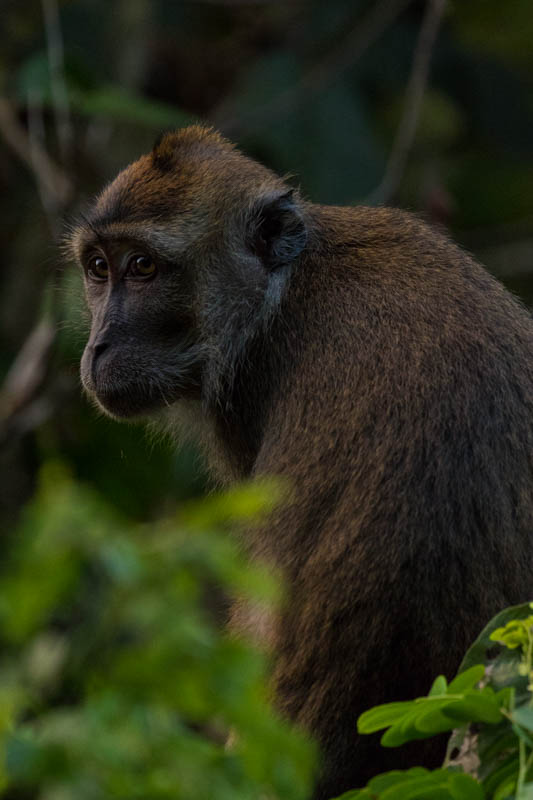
{"x":142,"y":267}
{"x":98,"y":269}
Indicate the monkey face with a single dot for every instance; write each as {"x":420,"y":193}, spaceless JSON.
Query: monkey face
{"x":185,"y":256}
{"x":141,"y":352}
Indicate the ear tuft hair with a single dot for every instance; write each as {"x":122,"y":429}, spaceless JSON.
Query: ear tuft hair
{"x":278,"y":233}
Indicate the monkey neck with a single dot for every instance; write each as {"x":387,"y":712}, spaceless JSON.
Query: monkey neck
{"x":277,"y":374}
{"x":283,"y":361}
{"x":243,"y":406}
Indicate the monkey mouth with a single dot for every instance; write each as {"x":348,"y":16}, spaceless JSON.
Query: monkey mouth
{"x":126,"y":387}
{"x":129,"y":402}
{"x":128,"y":397}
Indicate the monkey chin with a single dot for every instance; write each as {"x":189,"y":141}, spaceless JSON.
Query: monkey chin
{"x":132,"y":401}
{"x":123,"y":392}
{"x":125,"y":406}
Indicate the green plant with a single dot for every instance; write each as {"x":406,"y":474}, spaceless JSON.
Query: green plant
{"x":489,"y":708}
{"x":115,"y":680}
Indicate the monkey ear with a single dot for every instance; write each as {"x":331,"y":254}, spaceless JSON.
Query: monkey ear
{"x":277,"y":233}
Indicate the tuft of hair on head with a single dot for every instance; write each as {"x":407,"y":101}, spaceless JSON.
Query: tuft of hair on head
{"x":169,"y":143}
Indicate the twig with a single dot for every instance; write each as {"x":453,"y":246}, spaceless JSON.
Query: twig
{"x":56,"y":63}
{"x":36,"y":136}
{"x":22,"y":401}
{"x":47,"y":174}
{"x":135,"y":16}
{"x":414,"y":96}
{"x":363,"y":35}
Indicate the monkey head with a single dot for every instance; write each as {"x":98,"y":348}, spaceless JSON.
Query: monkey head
{"x":185,"y":257}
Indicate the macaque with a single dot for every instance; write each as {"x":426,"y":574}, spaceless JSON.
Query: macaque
{"x":364,"y":358}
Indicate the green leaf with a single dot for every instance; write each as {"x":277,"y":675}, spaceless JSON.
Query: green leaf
{"x":382,"y":716}
{"x":433,"y":784}
{"x":419,"y":783}
{"x":523,"y":716}
{"x":439,"y":686}
{"x":475,"y":708}
{"x":501,"y":777}
{"x":434,"y":721}
{"x":495,"y":741}
{"x":515,"y":634}
{"x":467,"y":679}
{"x":504,"y":698}
{"x":396,"y":736}
{"x":476,"y":654}
{"x":465,"y":787}
{"x":403,"y":730}
{"x":394,"y":778}
{"x":505,"y":790}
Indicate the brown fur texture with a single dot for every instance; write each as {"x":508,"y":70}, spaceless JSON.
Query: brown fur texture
{"x":371,"y":362}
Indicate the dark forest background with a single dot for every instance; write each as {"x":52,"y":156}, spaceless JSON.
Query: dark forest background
{"x":425,"y":105}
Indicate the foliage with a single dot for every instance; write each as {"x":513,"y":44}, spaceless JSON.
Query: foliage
{"x":440,"y":784}
{"x":490,"y":709}
{"x":115,"y":680}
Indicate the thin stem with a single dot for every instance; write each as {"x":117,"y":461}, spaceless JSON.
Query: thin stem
{"x":49,"y":177}
{"x":414,"y":97}
{"x":58,"y":86}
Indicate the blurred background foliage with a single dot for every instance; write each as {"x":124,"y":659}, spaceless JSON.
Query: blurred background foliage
{"x":314,"y":89}
{"x":360,"y":100}
{"x":116,"y":678}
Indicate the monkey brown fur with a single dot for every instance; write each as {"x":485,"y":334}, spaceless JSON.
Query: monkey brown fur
{"x":366,"y":358}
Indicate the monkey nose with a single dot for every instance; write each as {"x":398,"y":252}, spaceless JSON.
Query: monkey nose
{"x":99,"y":347}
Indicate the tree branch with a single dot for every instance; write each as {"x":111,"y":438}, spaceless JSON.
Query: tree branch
{"x":49,"y":177}
{"x":414,"y":96}
{"x":21,"y":396}
{"x":56,"y":62}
